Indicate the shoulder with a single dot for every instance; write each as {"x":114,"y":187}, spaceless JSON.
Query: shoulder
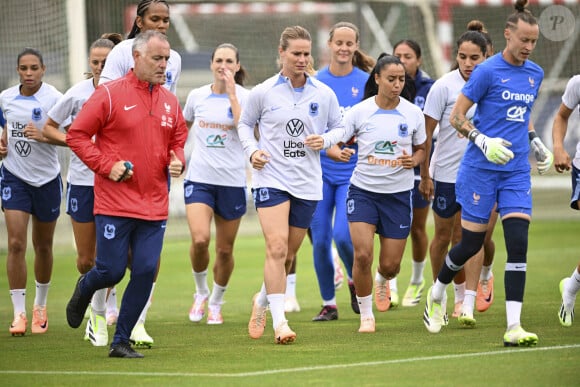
{"x":321,"y":86}
{"x":200,"y":91}
{"x":10,"y":92}
{"x":448,"y":81}
{"x":423,"y":78}
{"x":175,"y":56}
{"x":48,"y":91}
{"x":126,"y":44}
{"x":534,"y":67}
{"x":359,"y":74}
{"x":121,"y":50}
{"x":362,"y":109}
{"x":82,"y":87}
{"x":574,"y":84}
{"x":241,"y":91}
{"x":266,"y":84}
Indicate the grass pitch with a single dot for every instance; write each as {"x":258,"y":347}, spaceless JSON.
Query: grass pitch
{"x":400,"y":353}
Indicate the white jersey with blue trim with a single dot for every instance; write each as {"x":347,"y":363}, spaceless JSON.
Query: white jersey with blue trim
{"x":120,"y":61}
{"x":382,"y":136}
{"x":218,"y":157}
{"x":285,"y":117}
{"x":33,"y":162}
{"x":450,"y":145}
{"x":505,"y":94}
{"x":65,"y":110}
{"x":571,"y":99}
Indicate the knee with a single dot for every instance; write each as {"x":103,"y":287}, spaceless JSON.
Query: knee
{"x":390,"y":270}
{"x":201,"y":243}
{"x":109,"y":275}
{"x":224,"y":253}
{"x":418,"y":231}
{"x":17,"y":246}
{"x":441,"y":239}
{"x":363,"y":261}
{"x":470,"y":244}
{"x":277,"y":250}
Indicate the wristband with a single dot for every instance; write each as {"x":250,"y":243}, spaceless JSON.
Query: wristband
{"x":531,"y":135}
{"x":473,"y":134}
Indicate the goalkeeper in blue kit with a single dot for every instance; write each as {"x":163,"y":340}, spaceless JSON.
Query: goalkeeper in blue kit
{"x":495,"y":167}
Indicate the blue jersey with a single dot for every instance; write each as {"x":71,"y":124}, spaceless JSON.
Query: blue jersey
{"x":504,"y":94}
{"x":422,"y":86}
{"x":349,"y":90}
{"x":2,"y":119}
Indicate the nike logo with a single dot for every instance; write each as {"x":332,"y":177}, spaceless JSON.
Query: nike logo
{"x":53,"y":210}
{"x":273,"y":108}
{"x":402,"y":226}
{"x":489,"y":298}
{"x":239,"y":207}
{"x":505,"y":80}
{"x":43,"y":325}
{"x":127,"y":108}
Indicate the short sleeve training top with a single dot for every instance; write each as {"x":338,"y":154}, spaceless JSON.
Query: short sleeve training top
{"x":67,"y":108}
{"x":382,"y":136}
{"x":33,"y":162}
{"x":218,"y":157}
{"x":504,"y":94}
{"x":450,"y":144}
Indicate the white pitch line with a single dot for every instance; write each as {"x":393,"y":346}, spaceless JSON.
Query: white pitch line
{"x":509,"y":351}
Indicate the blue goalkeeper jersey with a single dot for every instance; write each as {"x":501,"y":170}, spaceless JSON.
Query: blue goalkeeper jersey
{"x":504,"y":94}
{"x":349,"y":90}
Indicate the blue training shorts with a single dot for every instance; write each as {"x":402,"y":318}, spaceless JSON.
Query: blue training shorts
{"x":391,"y":213}
{"x":301,"y":210}
{"x":445,"y":203}
{"x":227,"y":202}
{"x":479,"y":189}
{"x":43,"y":202}
{"x":80,"y":202}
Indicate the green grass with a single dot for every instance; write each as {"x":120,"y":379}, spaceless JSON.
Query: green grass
{"x":400,"y":353}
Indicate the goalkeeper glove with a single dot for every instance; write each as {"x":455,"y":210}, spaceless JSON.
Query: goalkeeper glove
{"x":544,"y":158}
{"x":495,"y":149}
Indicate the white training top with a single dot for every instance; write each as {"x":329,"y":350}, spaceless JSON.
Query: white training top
{"x":382,"y":136}
{"x":285,"y":116}
{"x":450,"y":145}
{"x":33,"y":162}
{"x":66,"y":109}
{"x":218,"y":157}
{"x":120,"y":61}
{"x":571,"y":99}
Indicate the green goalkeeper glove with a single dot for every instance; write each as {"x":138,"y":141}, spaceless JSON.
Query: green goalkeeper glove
{"x":544,"y":158}
{"x":495,"y":149}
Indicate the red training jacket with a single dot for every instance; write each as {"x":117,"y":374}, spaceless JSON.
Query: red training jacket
{"x":136,"y":122}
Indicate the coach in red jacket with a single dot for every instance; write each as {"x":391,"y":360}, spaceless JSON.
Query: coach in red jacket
{"x":139,"y":133}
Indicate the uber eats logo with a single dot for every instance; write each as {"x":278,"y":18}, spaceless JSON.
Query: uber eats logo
{"x":294,"y":148}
